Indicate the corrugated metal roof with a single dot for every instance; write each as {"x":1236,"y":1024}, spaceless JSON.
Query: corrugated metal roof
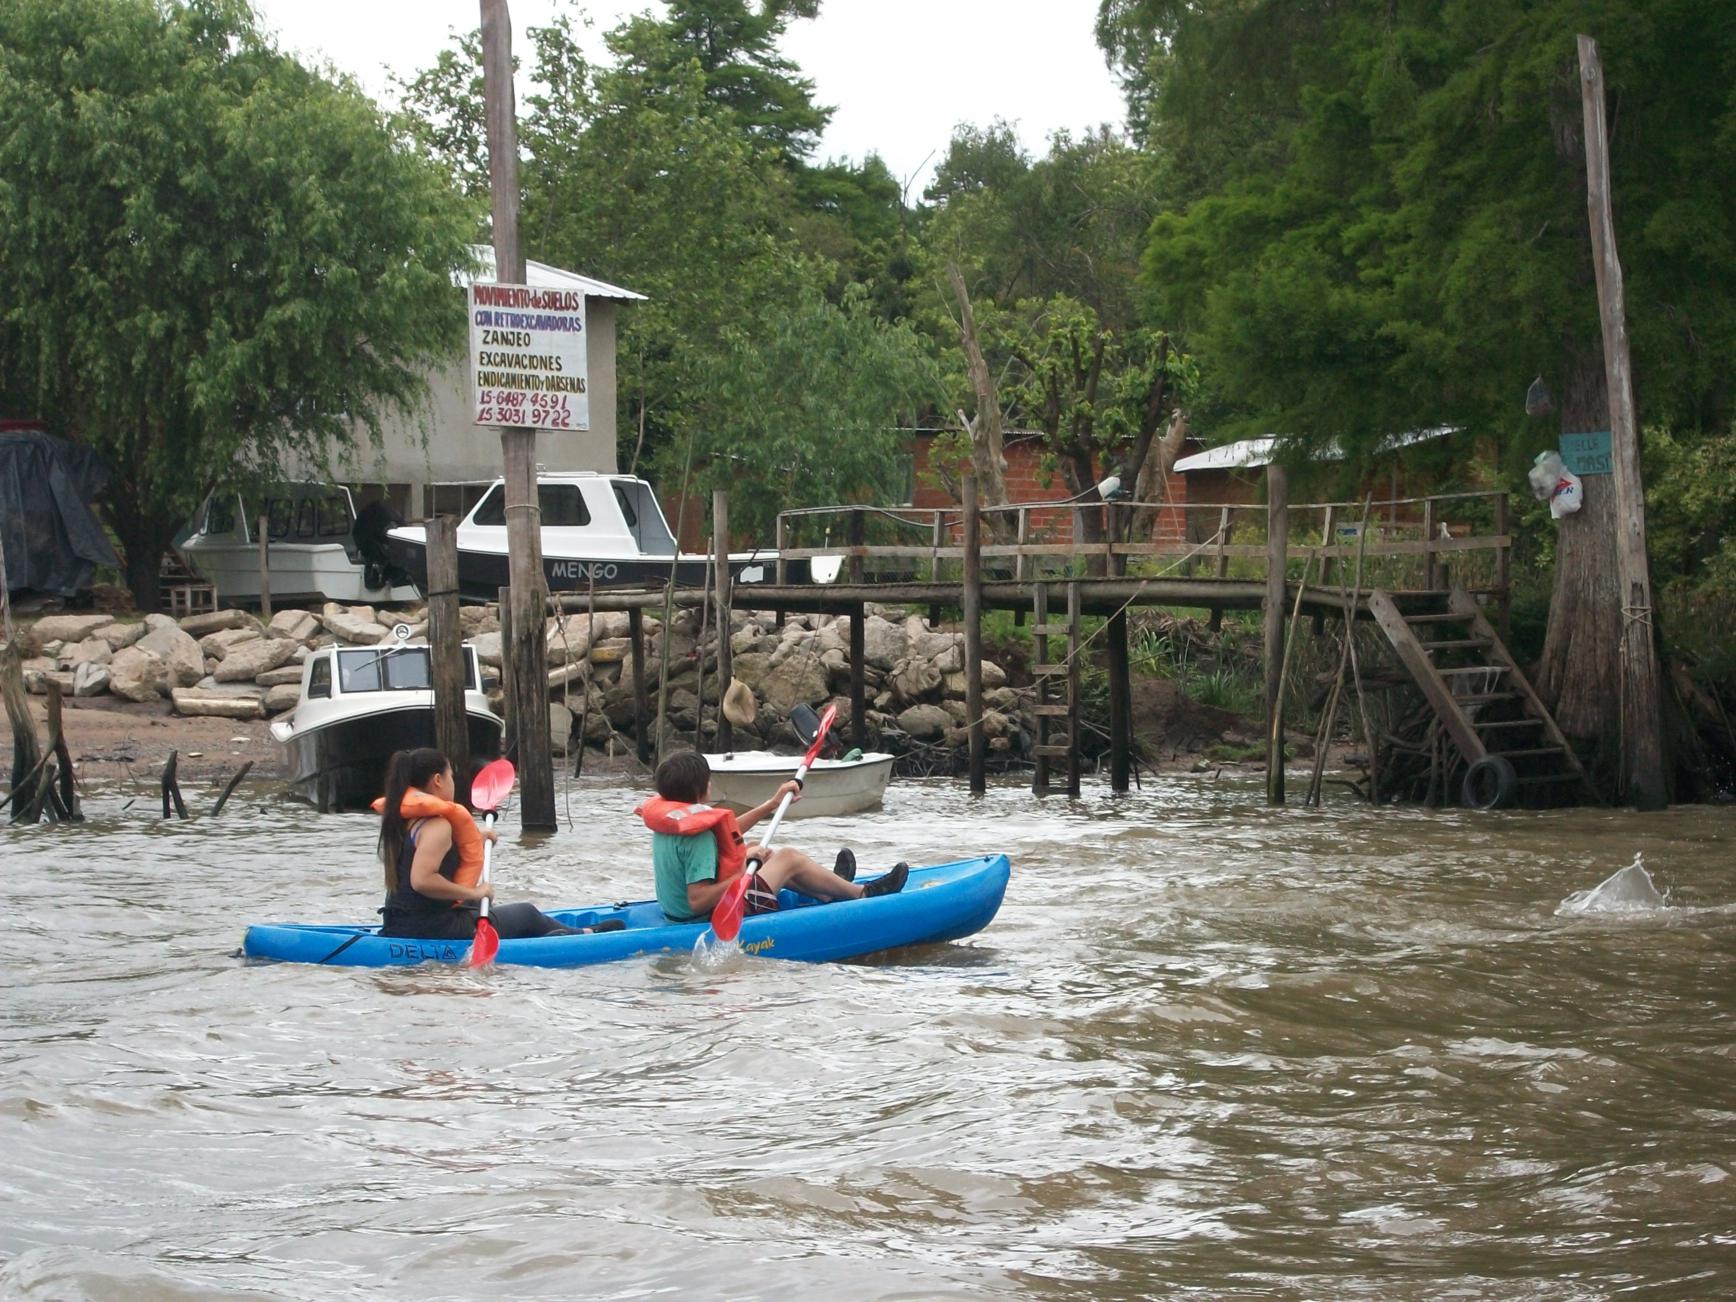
{"x":1247,"y":453}
{"x":543,"y":276}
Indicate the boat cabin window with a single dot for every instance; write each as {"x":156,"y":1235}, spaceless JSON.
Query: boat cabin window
{"x":220,"y":514}
{"x":643,"y":516}
{"x":563,"y":506}
{"x":319,"y":678}
{"x":395,"y":669}
{"x":334,"y":517}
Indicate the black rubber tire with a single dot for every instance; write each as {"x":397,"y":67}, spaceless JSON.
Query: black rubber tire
{"x":1489,"y":783}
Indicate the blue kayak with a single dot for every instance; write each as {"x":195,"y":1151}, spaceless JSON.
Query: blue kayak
{"x":942,"y":902}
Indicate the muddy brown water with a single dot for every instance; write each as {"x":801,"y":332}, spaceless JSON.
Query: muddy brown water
{"x":1206,"y":1049}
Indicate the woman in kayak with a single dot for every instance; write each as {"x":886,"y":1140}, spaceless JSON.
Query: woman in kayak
{"x":696,"y":850}
{"x":430,"y":893}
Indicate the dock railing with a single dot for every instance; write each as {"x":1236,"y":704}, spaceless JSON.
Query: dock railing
{"x":1413,"y":544}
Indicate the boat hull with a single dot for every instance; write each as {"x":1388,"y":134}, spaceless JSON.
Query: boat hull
{"x":482,"y":574}
{"x":832,"y":787}
{"x":342,"y":765}
{"x":299,"y":572}
{"x":939,"y":903}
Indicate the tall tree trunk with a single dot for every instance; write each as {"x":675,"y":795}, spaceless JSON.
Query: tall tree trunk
{"x":987,"y":459}
{"x":1579,"y":675}
{"x":144,"y":539}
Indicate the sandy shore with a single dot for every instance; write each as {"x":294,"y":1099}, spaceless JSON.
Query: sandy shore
{"x":111,"y":738}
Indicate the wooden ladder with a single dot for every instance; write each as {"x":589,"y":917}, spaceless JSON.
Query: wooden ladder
{"x":1482,"y":698}
{"x":1057,"y":707}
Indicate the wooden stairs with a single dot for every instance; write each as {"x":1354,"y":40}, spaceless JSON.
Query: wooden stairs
{"x":1057,"y":682}
{"x":1484,"y":702}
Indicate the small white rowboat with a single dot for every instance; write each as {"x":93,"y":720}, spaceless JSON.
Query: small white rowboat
{"x":744,"y":779}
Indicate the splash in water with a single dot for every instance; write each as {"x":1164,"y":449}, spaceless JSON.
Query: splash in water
{"x":713,"y":955}
{"x":1631,"y":890}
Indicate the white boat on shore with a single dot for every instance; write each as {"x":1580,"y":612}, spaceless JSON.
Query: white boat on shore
{"x":314,"y":549}
{"x":742,"y":779}
{"x":598,"y":530}
{"x":359,"y":705}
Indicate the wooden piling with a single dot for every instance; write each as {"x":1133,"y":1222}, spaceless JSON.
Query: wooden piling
{"x":1120,"y":671}
{"x":725,"y":665}
{"x":26,"y":750}
{"x":446,"y":652}
{"x":858,"y":679}
{"x":67,"y":785}
{"x":973,"y":635}
{"x":1277,"y":545}
{"x":264,"y":539}
{"x":641,"y":697}
{"x":172,"y":802}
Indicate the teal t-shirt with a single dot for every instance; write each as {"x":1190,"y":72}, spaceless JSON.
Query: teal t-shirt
{"x":678,"y":860}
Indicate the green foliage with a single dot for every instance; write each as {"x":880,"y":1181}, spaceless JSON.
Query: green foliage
{"x":214,"y":257}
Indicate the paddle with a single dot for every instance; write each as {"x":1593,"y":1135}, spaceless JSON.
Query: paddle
{"x":726,"y":917}
{"x":488,"y":789}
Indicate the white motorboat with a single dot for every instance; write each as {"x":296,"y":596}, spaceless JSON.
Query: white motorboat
{"x":359,"y":705}
{"x":606,"y":530}
{"x":315,"y":550}
{"x":743,"y":779}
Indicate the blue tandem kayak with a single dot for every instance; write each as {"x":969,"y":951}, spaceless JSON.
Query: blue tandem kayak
{"x":938,"y":903}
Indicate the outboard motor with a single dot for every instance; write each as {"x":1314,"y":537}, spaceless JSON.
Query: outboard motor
{"x":369,"y":533}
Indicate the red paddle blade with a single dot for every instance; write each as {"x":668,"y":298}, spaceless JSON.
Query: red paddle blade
{"x":486,"y":945}
{"x":492,"y":784}
{"x":726,"y":917}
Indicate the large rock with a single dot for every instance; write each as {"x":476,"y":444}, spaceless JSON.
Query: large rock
{"x":560,"y":727}
{"x":191,"y":701}
{"x":353,"y":627}
{"x":217,"y":645}
{"x":570,"y":637}
{"x":924,"y":722}
{"x":254,"y":658}
{"x":297,"y":625}
{"x":884,"y":643}
{"x":118,"y":635}
{"x":798,"y":679}
{"x":176,"y":648}
{"x":93,"y":650}
{"x":993,"y":676}
{"x":211,"y":687}
{"x":487,"y":647}
{"x":289,"y":675}
{"x":139,"y":675}
{"x":37,"y":681}
{"x":284,"y":696}
{"x":212,"y":621}
{"x":90,"y":679}
{"x":925,"y":641}
{"x":912,"y":681}
{"x":67,"y":628}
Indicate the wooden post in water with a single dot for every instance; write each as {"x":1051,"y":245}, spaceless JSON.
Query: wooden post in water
{"x":973,"y":635}
{"x":1277,"y":545}
{"x":528,"y":652}
{"x":858,"y":680}
{"x":1120,"y":674}
{"x":725,"y":656}
{"x":1644,"y":776}
{"x":641,"y":697}
{"x":26,"y":749}
{"x":264,"y":540}
{"x":508,"y":735}
{"x":446,"y":652}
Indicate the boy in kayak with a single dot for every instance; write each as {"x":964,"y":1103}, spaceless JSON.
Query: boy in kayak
{"x":696,"y":850}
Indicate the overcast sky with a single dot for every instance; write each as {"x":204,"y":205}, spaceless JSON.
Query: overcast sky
{"x":900,"y":73}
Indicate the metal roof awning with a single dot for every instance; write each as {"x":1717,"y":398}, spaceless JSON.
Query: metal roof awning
{"x":543,"y":276}
{"x":1248,"y":453}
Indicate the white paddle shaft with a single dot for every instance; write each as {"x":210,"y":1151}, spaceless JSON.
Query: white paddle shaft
{"x":487,"y":856}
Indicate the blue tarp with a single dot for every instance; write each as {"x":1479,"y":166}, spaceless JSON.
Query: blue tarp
{"x":52,"y":540}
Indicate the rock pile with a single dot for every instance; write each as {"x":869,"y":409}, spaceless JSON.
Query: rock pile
{"x":228,"y":663}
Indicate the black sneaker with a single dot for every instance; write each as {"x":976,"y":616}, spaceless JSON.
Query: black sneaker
{"x":610,"y":924}
{"x":890,"y":884}
{"x":846,"y":865}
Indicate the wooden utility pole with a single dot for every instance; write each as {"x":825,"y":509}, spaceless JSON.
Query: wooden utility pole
{"x":1644,"y":780}
{"x":263,"y":538}
{"x":1277,"y":553}
{"x":446,"y":652}
{"x":973,"y":634}
{"x":1120,"y":670}
{"x":725,"y":665}
{"x":528,"y":693}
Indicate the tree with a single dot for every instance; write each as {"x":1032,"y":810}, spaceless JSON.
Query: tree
{"x":1386,"y":228}
{"x":214,"y":257}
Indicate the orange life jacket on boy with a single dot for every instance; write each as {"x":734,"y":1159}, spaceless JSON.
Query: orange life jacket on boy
{"x":684,"y":818}
{"x":466,"y":835}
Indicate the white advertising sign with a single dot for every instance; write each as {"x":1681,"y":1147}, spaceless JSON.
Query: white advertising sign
{"x":527,"y":356}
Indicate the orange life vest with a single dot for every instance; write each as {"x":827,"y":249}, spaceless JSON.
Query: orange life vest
{"x":466,"y":835}
{"x":683,"y":818}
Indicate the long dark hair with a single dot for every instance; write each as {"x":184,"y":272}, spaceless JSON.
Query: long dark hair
{"x":407,"y":768}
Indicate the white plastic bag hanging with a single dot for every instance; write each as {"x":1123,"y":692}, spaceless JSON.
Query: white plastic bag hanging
{"x":1551,"y":479}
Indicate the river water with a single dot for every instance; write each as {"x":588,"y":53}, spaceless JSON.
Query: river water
{"x":1206,"y":1049}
